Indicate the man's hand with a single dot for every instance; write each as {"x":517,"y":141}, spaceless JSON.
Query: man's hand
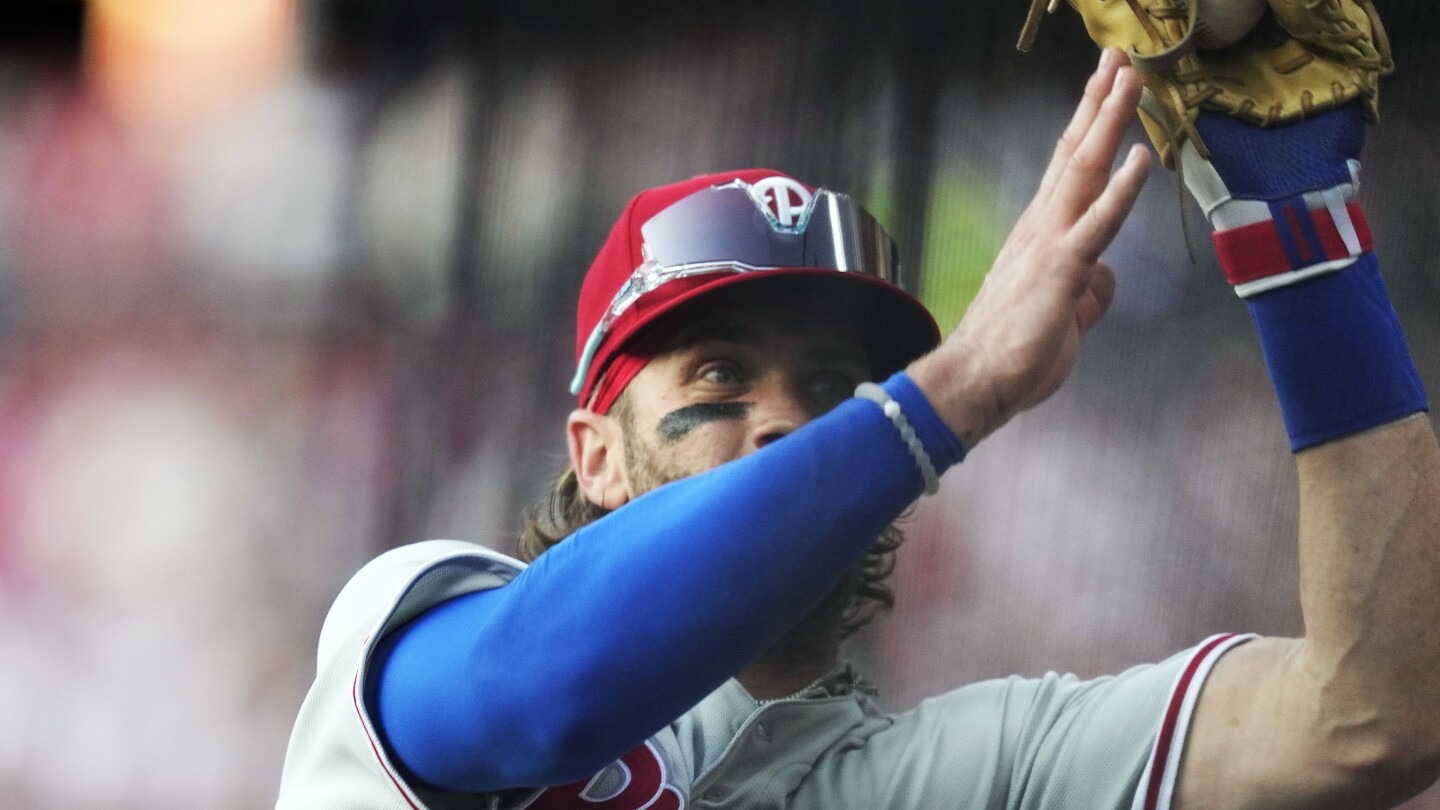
{"x":1019,"y":338}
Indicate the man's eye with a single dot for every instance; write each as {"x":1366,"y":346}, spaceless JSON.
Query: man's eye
{"x":721,"y":374}
{"x":831,"y":387}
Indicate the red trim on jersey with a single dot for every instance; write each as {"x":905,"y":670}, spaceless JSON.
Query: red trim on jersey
{"x":1172,"y":716}
{"x":1254,"y":251}
{"x":360,"y":713}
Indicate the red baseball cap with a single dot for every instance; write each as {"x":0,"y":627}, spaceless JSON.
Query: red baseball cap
{"x":678,"y":243}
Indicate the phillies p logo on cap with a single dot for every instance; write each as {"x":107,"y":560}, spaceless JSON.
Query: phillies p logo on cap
{"x":785,"y":197}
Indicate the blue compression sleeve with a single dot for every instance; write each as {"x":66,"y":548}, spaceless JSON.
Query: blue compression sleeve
{"x":620,"y":629}
{"x":1332,"y":343}
{"x":1336,"y":355}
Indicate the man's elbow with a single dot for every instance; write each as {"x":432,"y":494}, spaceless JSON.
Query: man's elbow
{"x":505,"y":751}
{"x":1389,"y":760}
{"x":563,"y":736}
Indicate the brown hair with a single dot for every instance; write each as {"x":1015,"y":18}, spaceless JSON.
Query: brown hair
{"x":566,"y":509}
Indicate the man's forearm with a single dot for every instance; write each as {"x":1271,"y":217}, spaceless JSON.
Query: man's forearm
{"x":1370,"y":584}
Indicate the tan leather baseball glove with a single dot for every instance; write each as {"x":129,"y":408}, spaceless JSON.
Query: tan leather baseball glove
{"x":1303,"y":57}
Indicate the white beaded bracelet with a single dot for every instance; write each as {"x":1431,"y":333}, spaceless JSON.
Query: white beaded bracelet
{"x":896,"y":415}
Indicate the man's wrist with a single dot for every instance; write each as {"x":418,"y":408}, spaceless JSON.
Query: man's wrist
{"x":959,"y":393}
{"x":1282,"y":200}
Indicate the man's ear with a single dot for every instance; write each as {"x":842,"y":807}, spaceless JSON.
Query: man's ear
{"x":597,"y":452}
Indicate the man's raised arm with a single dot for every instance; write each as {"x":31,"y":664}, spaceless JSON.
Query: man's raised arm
{"x":1349,"y":715}
{"x":1265,"y":128}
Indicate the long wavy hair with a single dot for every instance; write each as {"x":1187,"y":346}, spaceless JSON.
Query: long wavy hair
{"x":566,"y":509}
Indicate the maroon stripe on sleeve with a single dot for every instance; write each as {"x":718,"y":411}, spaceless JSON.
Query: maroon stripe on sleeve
{"x":374,"y":747}
{"x":1172,"y":717}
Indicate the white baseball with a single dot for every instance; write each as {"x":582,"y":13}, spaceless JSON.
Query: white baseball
{"x":1223,"y":22}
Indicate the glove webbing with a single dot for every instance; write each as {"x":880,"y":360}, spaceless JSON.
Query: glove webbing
{"x":1340,"y":36}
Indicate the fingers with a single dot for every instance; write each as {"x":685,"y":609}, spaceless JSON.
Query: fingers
{"x":1102,"y":219}
{"x":1096,"y":90}
{"x":1088,"y":169}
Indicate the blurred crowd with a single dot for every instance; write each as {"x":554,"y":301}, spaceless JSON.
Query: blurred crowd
{"x":277,"y":294}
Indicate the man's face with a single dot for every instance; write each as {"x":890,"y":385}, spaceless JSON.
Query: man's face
{"x":728,"y":383}
{"x":734,"y":380}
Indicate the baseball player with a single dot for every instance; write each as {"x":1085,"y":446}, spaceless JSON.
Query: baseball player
{"x":672,"y":642}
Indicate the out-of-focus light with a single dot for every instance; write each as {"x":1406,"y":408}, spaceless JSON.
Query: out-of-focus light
{"x":166,"y":62}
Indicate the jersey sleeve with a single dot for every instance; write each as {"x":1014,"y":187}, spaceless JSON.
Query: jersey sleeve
{"x":1114,"y":742}
{"x":1050,"y":743}
{"x":335,"y":758}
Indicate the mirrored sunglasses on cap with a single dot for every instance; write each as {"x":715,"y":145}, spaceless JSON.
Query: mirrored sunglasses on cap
{"x":732,"y":229}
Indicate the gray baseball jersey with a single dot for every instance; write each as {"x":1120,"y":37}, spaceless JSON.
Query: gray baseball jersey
{"x":1054,"y":742}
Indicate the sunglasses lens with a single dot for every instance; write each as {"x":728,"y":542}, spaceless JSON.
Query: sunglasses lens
{"x":729,"y":225}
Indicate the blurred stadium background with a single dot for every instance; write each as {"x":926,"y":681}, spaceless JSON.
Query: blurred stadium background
{"x":284,"y":284}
